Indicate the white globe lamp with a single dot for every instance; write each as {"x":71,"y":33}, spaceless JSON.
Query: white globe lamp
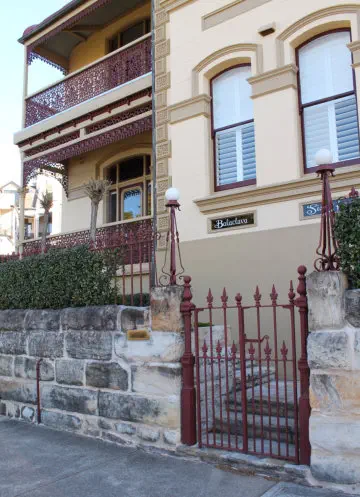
{"x":172,"y":194}
{"x":323,"y":157}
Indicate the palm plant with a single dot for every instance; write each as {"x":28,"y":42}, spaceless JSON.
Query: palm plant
{"x":95,"y":189}
{"x":46,"y":202}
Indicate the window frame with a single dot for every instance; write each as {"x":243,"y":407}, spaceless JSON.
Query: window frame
{"x":350,"y":162}
{"x":121,"y":186}
{"x":229,"y":186}
{"x":118,"y":34}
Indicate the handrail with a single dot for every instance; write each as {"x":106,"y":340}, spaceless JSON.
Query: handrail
{"x":88,"y":66}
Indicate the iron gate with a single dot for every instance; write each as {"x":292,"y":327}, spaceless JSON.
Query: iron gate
{"x":244,"y":386}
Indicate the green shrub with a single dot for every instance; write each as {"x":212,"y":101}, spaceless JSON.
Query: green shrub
{"x":61,"y":278}
{"x":347,"y":233}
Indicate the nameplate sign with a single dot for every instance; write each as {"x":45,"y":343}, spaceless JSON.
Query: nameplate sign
{"x":232,"y":222}
{"x":314,"y":208}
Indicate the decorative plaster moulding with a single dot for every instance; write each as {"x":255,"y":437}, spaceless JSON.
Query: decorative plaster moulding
{"x":252,"y":196}
{"x":230,"y":11}
{"x":170,"y":5}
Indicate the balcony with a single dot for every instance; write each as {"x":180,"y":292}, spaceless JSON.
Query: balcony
{"x":119,"y":67}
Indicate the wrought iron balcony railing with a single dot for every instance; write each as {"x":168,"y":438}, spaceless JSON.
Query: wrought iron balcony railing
{"x":115,"y":69}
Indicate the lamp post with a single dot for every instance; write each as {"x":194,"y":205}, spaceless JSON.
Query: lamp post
{"x":172,"y":196}
{"x":326,"y":250}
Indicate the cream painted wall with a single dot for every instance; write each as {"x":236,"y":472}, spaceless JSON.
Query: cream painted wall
{"x":276,"y":114}
{"x":76,"y":211}
{"x":96,"y":46}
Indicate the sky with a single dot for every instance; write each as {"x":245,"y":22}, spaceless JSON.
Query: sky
{"x":15,"y":17}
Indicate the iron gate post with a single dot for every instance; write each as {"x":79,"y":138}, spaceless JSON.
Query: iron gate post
{"x":188,"y":392}
{"x":304,"y":400}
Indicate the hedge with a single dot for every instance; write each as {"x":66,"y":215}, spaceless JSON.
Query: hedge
{"x":347,"y":233}
{"x":60,"y":278}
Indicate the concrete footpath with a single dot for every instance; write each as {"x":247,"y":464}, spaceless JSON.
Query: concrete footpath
{"x":39,"y":462}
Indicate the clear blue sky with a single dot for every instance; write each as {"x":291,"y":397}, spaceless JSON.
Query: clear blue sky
{"x":16,"y":16}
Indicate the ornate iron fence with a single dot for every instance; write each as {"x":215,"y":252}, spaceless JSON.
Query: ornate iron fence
{"x":132,"y":245}
{"x":241,"y":387}
{"x":122,"y":66}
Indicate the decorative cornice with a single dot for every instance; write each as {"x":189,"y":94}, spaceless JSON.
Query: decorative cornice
{"x":170,"y":5}
{"x":230,"y":11}
{"x":275,"y":80}
{"x":354,"y":48}
{"x":252,"y":196}
{"x":231,"y":49}
{"x":192,"y":107}
{"x":350,"y":8}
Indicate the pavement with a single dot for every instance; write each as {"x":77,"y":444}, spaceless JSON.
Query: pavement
{"x":38,"y":462}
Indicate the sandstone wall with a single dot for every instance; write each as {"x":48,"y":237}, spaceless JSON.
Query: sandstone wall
{"x":94,"y":381}
{"x":334,"y":360}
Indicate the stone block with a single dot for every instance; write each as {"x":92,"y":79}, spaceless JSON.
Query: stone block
{"x":165,"y":309}
{"x":13,"y":410}
{"x":356,"y":364}
{"x":2,"y":409}
{"x":91,"y":318}
{"x":128,"y":407}
{"x":164,"y":347}
{"x":12,"y":320}
{"x":133,"y":408}
{"x":70,"y":372}
{"x":133,"y":318}
{"x":28,"y":414}
{"x":148,"y":434}
{"x":157,"y":379}
{"x":42,"y":320}
{"x":341,"y":468}
{"x":91,"y":427}
{"x":335,"y":433}
{"x":330,"y":350}
{"x":171,"y":437}
{"x":25,"y":367}
{"x":105,"y":424}
{"x":12,"y":342}
{"x":69,"y":399}
{"x":352,"y":307}
{"x":6,"y":365}
{"x":106,"y":375}
{"x":89,"y":345}
{"x":335,"y":392}
{"x":326,"y":300}
{"x":60,"y":421}
{"x":125,"y":428}
{"x":18,"y":391}
{"x":46,"y":344}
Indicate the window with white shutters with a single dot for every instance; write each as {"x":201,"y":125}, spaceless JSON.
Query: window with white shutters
{"x":327,"y":98}
{"x":233,"y":128}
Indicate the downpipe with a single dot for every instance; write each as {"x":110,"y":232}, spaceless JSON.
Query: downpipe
{"x":38,"y":399}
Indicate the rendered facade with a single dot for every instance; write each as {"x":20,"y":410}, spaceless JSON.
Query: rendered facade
{"x":246,"y":92}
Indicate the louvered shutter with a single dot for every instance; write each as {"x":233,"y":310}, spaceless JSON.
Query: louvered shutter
{"x":235,"y":154}
{"x":325,"y":71}
{"x":235,"y":146}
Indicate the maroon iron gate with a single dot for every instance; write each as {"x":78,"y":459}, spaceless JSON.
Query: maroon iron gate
{"x":244,"y":387}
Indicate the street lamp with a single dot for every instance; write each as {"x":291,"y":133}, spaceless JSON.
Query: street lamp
{"x":172,"y":196}
{"x":326,"y":250}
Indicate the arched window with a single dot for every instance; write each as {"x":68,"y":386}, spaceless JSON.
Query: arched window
{"x":129,"y":34}
{"x":129,"y":196}
{"x":328,"y":104}
{"x":233,"y":129}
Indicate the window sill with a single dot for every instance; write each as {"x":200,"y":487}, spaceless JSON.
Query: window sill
{"x":251,"y":196}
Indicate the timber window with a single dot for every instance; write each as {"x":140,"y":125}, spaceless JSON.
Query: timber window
{"x":129,"y":35}
{"x":328,"y":103}
{"x":233,"y":129}
{"x":130,"y":194}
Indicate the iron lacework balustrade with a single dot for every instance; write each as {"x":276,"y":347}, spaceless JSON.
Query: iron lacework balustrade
{"x":135,"y":244}
{"x":114,"y":70}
